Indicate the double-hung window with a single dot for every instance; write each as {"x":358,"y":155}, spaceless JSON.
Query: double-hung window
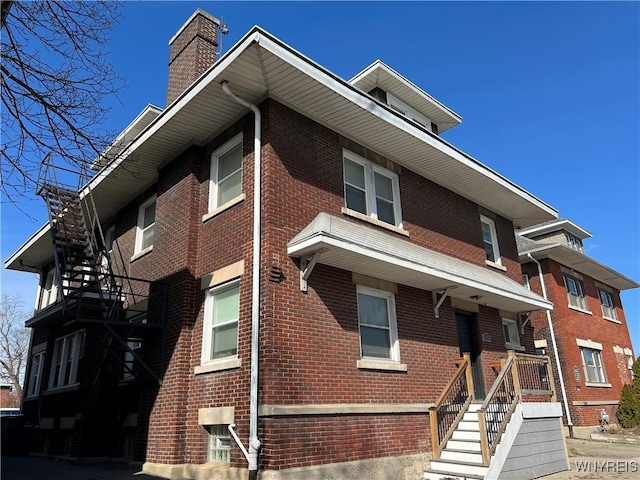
{"x":222,"y":311}
{"x":377,"y":324}
{"x":50,"y":289}
{"x":592,"y":364}
{"x":608,"y":307}
{"x":146,"y":225}
{"x":219,"y":443}
{"x":225,"y":183}
{"x":490,"y":240}
{"x":35,"y":374}
{"x":371,"y":190}
{"x":575,"y":292}
{"x":67,"y":352}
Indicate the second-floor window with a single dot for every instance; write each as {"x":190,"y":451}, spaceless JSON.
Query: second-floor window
{"x":575,"y":293}
{"x":608,"y":308}
{"x":49,"y":289}
{"x":490,"y":239}
{"x":67,"y":352}
{"x":146,"y":225}
{"x":226,"y":173}
{"x":371,"y":190}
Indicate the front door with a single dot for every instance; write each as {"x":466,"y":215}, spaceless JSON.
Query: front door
{"x":468,"y":342}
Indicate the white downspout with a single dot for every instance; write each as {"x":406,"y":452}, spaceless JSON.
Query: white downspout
{"x":555,"y":348}
{"x":254,"y":442}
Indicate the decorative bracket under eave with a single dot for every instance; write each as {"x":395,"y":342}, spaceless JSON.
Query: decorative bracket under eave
{"x":307,"y":263}
{"x":438,"y":303}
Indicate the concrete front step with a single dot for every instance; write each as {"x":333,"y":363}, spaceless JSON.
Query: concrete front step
{"x":461,"y":455}
{"x":468,"y":445}
{"x":458,"y":468}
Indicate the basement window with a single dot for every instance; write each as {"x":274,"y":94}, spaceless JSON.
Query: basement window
{"x":219,"y":443}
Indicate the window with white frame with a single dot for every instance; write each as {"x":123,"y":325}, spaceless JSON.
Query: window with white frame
{"x":592,"y":365}
{"x":573,"y":241}
{"x":511,"y":334}
{"x":490,"y":239}
{"x":525,"y":281}
{"x":49,"y":289}
{"x":109,"y":236}
{"x":35,"y":374}
{"x":405,"y":110}
{"x":575,"y":292}
{"x":377,"y":324}
{"x":222,"y":312}
{"x":371,"y":190}
{"x":608,"y":308}
{"x":67,"y":352}
{"x":146,"y":225}
{"x":219,"y":443}
{"x":225,"y":182}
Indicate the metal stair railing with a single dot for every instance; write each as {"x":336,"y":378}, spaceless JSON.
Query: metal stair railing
{"x":451,"y":405}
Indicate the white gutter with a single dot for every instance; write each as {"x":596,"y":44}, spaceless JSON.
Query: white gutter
{"x":555,"y":348}
{"x":254,"y":442}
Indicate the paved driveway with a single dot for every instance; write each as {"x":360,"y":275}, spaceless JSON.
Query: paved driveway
{"x":35,"y":468}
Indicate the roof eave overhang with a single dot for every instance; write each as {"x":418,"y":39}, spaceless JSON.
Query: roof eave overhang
{"x":581,"y":263}
{"x":561,"y":224}
{"x":339,"y":253}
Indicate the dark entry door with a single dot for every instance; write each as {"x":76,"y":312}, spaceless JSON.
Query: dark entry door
{"x":468,"y":342}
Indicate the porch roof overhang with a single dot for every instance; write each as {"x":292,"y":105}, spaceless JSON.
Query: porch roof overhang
{"x":580,"y":262}
{"x":358,"y":248}
{"x":261,"y":66}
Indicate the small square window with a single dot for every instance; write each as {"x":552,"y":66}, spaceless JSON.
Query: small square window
{"x":146,"y":225}
{"x":490,"y":240}
{"x":511,"y":334}
{"x":371,"y":190}
{"x":219,"y":443}
{"x":226,"y":173}
{"x":377,"y":324}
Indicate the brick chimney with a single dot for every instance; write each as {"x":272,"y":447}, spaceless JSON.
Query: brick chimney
{"x":193,"y":51}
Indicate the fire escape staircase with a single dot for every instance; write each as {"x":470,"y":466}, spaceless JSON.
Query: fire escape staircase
{"x":466,"y":433}
{"x":91,"y":293}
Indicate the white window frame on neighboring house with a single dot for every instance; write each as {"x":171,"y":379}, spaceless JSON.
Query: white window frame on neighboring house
{"x":575,"y":293}
{"x":608,"y":307}
{"x":593,"y":373}
{"x":142,"y":244}
{"x":234,"y":177}
{"x":67,"y":353}
{"x":367,"y":187}
{"x":391,"y":328}
{"x":210,"y":326}
{"x":35,"y":370}
{"x":511,"y":334}
{"x":490,"y":240}
{"x":219,"y":444}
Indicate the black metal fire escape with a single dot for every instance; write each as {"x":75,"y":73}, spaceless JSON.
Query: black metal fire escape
{"x":91,"y":292}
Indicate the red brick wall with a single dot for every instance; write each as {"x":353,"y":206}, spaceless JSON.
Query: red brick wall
{"x":570,"y":324}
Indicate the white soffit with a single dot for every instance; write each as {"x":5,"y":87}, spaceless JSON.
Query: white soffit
{"x":362,"y":249}
{"x":555,"y":226}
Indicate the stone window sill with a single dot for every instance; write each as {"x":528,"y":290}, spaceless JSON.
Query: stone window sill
{"x":218,"y":366}
{"x":378,"y":223}
{"x":381,"y":365}
{"x":222,"y":208}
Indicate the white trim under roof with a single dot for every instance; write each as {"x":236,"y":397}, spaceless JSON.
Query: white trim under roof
{"x":382,"y":75}
{"x":569,"y":257}
{"x":260,"y":66}
{"x":359,"y":248}
{"x":555,"y":226}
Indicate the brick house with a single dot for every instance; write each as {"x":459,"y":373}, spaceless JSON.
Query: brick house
{"x":292,"y":271}
{"x":587,"y":322}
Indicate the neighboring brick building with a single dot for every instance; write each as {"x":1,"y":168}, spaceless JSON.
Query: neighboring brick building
{"x":588,"y":321}
{"x":325,"y":327}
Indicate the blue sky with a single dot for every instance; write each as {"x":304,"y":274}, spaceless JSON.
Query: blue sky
{"x":549,"y":93}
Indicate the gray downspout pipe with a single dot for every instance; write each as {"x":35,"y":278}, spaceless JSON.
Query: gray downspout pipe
{"x":555,"y":348}
{"x":254,"y":442}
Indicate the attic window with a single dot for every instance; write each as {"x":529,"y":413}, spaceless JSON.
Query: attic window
{"x":405,"y":110}
{"x":573,"y":241}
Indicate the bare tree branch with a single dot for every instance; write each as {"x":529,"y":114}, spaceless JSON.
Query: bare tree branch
{"x":14,"y":342}
{"x":53,"y":79}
